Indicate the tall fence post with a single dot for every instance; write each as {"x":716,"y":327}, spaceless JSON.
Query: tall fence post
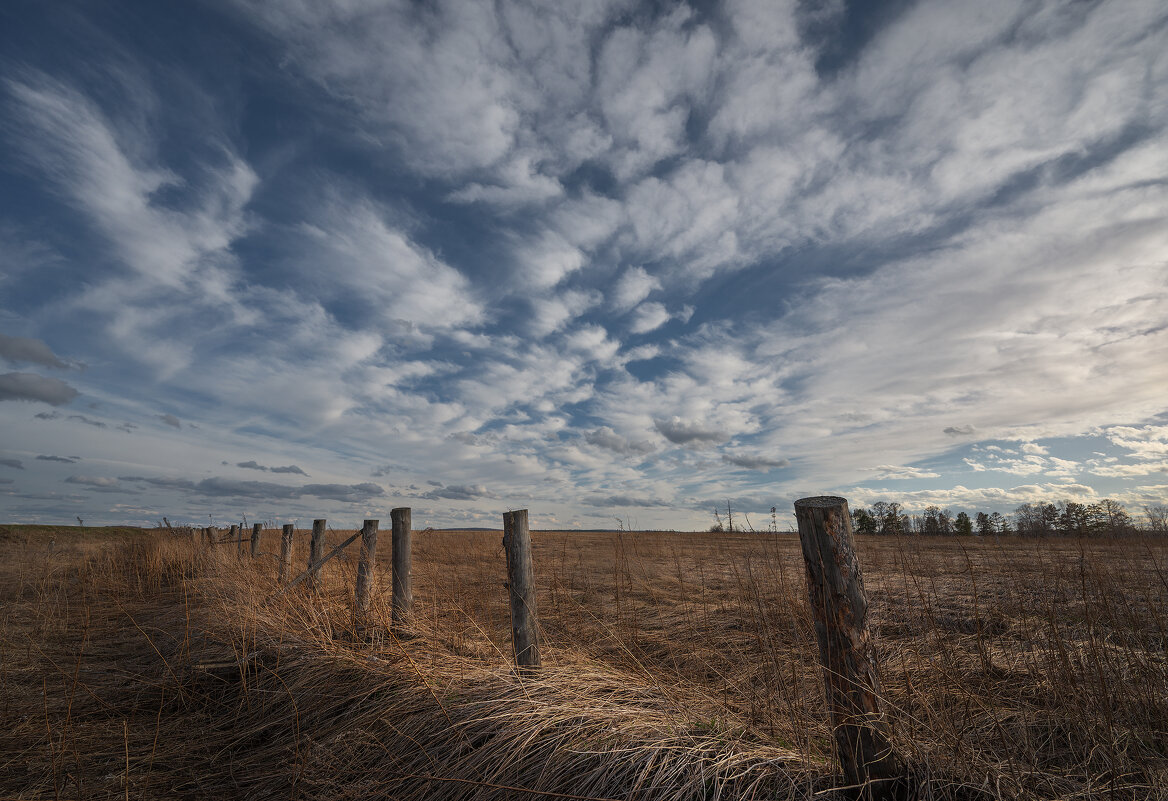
{"x":839,"y":606}
{"x":256,"y":530}
{"x":315,"y":551}
{"x":366,"y":564}
{"x":285,"y":553}
{"x":403,"y":585}
{"x":521,"y":582}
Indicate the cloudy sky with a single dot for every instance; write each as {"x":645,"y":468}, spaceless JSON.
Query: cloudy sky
{"x":598,"y":259}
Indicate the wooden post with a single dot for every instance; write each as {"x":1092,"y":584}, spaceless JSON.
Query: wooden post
{"x":286,"y":553}
{"x":315,"y":552}
{"x":233,"y":533}
{"x":366,"y":564}
{"x":208,"y":535}
{"x":403,"y":585}
{"x":521,"y":581}
{"x":256,"y":530}
{"x":835,"y":585}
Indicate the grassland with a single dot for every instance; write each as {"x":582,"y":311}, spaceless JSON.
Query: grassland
{"x":676,"y":666}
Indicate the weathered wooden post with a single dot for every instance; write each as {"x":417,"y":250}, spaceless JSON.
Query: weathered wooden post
{"x":521,"y":582}
{"x":366,"y":564}
{"x":403,"y":585}
{"x":835,"y":585}
{"x":286,"y":553}
{"x":232,"y":533}
{"x":208,"y":535}
{"x":256,"y":530}
{"x":315,"y":552}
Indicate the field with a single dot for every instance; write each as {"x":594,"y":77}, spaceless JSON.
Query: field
{"x":676,"y":665}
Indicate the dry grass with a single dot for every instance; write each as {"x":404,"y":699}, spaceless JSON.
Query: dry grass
{"x":677,"y":666}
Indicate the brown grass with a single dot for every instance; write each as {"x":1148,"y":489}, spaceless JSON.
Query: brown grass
{"x":676,"y":666}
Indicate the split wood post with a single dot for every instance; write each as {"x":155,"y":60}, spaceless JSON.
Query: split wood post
{"x":256,"y":530}
{"x":835,"y":585}
{"x":208,"y":535}
{"x":285,"y":553}
{"x":403,"y":585}
{"x":366,"y":564}
{"x":232,"y":533}
{"x":315,"y":551}
{"x":521,"y":582}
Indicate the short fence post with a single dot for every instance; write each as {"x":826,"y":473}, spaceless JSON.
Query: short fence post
{"x":839,"y":607}
{"x":285,"y":553}
{"x":366,"y":564}
{"x":521,"y":582}
{"x":233,"y":533}
{"x":256,"y":530}
{"x":208,"y":535}
{"x":315,"y":551}
{"x":196,"y":534}
{"x":403,"y":586}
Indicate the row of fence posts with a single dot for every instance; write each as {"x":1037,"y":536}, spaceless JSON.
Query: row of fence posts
{"x":835,"y":586}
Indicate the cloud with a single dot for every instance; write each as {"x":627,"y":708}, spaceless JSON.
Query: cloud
{"x":217,"y":487}
{"x":631,"y":501}
{"x":681,"y":432}
{"x":48,"y":415}
{"x":459,"y":493}
{"x":170,"y":420}
{"x":251,"y":464}
{"x":30,"y":351}
{"x":89,"y":421}
{"x":92,"y":481}
{"x":605,"y":437}
{"x":899,"y":472}
{"x":65,"y":459}
{"x":753,"y":462}
{"x":13,"y":463}
{"x":632,"y":287}
{"x":291,"y":468}
{"x":648,"y":317}
{"x":960,"y":431}
{"x":32,"y":387}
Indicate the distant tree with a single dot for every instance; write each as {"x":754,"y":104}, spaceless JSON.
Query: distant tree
{"x":1157,"y":515}
{"x":1000,"y":522}
{"x":1110,"y":518}
{"x":962,"y":526}
{"x":1074,"y":518}
{"x":863,"y":522}
{"x":985,"y":525}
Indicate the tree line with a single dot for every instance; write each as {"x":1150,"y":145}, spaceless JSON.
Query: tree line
{"x":1106,"y":518}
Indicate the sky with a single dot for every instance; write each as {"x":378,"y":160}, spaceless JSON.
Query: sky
{"x":614,"y":262}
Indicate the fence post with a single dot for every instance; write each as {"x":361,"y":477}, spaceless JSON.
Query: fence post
{"x":403,"y":585}
{"x":366,"y":564}
{"x":233,"y":533}
{"x":256,"y":530}
{"x":285,"y":553}
{"x":315,"y":551}
{"x":521,"y":582}
{"x":835,"y":585}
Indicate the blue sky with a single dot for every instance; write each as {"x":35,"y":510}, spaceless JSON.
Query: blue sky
{"x":598,"y":259}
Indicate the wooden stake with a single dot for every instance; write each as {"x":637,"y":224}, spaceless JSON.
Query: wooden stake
{"x":256,"y":530}
{"x":835,"y":585}
{"x":366,"y":564}
{"x":521,"y":582}
{"x":285,"y":553}
{"x":315,"y":551}
{"x":232,"y":536}
{"x":403,"y":585}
